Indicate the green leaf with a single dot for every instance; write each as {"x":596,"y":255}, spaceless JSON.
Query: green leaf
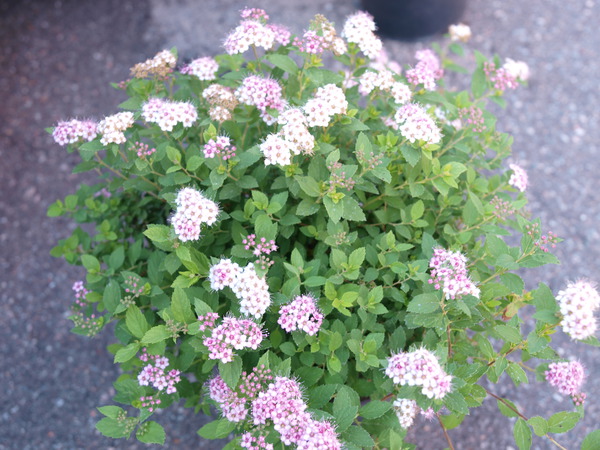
{"x":509,"y":334}
{"x":136,"y":322}
{"x":539,"y":425}
{"x":478,"y":82}
{"x":116,"y":258}
{"x":126,"y":353}
{"x":513,"y":282}
{"x":112,"y":296}
{"x":335,"y":341}
{"x":335,"y":210}
{"x":516,"y":373}
{"x":505,"y":410}
{"x":156,"y":334}
{"x":112,"y":428}
{"x":424,"y":303}
{"x":231,"y":372}
{"x":352,"y":210}
{"x":412,"y":155}
{"x":345,"y":408}
{"x":320,"y":395}
{"x":522,"y":434}
{"x":563,"y":421}
{"x":157,"y":233}
{"x":284,"y":62}
{"x":357,"y":257}
{"x":591,"y":441}
{"x":217,"y":429}
{"x":181,"y":307}
{"x":151,"y":433}
{"x":456,"y":402}
{"x":417,"y":210}
{"x":374,"y":409}
{"x":309,"y":186}
{"x":110,"y":411}
{"x":91,"y":263}
{"x":358,"y":436}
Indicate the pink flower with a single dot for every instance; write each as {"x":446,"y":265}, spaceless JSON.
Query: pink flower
{"x":566,"y":377}
{"x":449,"y":273}
{"x":518,"y":178}
{"x":301,"y":314}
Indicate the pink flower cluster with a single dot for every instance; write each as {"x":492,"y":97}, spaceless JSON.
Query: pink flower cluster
{"x":502,"y":208}
{"x":111,"y":128}
{"x":327,"y":102}
{"x":359,"y":29}
{"x":282,"y":34}
{"x":254,"y":442}
{"x":264,"y":93}
{"x":222,"y":102}
{"x":155,"y":373}
{"x":449,"y":273}
{"x":417,"y":125}
{"x":251,"y":32}
{"x":473,"y":116}
{"x":234,"y":404}
{"x":320,"y":37}
{"x":193,"y":209}
{"x":249,"y":288}
{"x":167,"y":114}
{"x":73,"y":131}
{"x":427,"y":71}
{"x":518,"y":179}
{"x":233,"y":334}
{"x":541,"y":241}
{"x":419,"y":368}
{"x":302,"y":313}
{"x":338,"y":178}
{"x":221,"y":146}
{"x":204,"y":68}
{"x":150,"y":401}
{"x":80,"y":293}
{"x":567,"y":377}
{"x":142,"y":150}
{"x":501,"y":78}
{"x":262,"y":248}
{"x":406,"y":410}
{"x":281,"y":403}
{"x":577,"y":303}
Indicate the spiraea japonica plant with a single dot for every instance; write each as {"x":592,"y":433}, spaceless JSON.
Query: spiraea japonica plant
{"x":319,"y":254}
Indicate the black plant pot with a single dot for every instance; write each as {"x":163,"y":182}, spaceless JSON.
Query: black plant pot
{"x":413,"y":19}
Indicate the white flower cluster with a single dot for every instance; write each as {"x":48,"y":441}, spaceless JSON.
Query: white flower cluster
{"x":577,"y":303}
{"x":193,"y":209}
{"x":328,"y":101}
{"x":249,"y":33}
{"x":292,"y":139}
{"x":111,"y":128}
{"x":417,"y":125}
{"x":419,"y":368}
{"x":203,"y":68}
{"x":384,"y":81}
{"x":406,"y":410}
{"x":167,"y":114}
{"x":459,"y":32}
{"x":160,"y":65}
{"x":251,"y":290}
{"x":519,"y":70}
{"x":519,"y":178}
{"x":69,"y":132}
{"x":359,"y":29}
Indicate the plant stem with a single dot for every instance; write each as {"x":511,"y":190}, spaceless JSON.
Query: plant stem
{"x":446,"y":435}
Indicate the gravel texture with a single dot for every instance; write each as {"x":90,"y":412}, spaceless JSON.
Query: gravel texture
{"x":56,"y":60}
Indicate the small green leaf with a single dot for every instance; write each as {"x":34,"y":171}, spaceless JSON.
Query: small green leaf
{"x":539,"y":425}
{"x":522,"y":434}
{"x":112,"y":428}
{"x":91,"y":263}
{"x":126,"y":353}
{"x":231,"y":372}
{"x":509,"y":334}
{"x":151,"y":433}
{"x":352,"y":210}
{"x":357,"y":257}
{"x":591,"y":441}
{"x":284,"y":62}
{"x":156,"y":334}
{"x":374,"y":409}
{"x":157,"y":233}
{"x":417,"y":210}
{"x":309,"y":186}
{"x":112,"y":296}
{"x":344,"y":409}
{"x":358,"y":436}
{"x":136,"y":322}
{"x":563,"y":421}
{"x":217,"y":429}
{"x":181,"y":307}
{"x":424,"y":303}
{"x":110,"y":411}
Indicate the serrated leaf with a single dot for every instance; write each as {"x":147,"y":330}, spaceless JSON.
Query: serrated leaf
{"x":539,"y":425}
{"x":352,"y":210}
{"x":156,"y":334}
{"x":157,"y":233}
{"x":522,"y":434}
{"x":231,"y":372}
{"x":284,"y":62}
{"x":126,"y":353}
{"x":591,"y":441}
{"x":112,"y":296}
{"x":136,"y":322}
{"x":217,"y":429}
{"x":111,"y":411}
{"x":506,"y":410}
{"x":517,"y":374}
{"x":563,"y":421}
{"x":151,"y":433}
{"x":509,"y":334}
{"x":424,"y":303}
{"x":358,"y":436}
{"x":111,"y":428}
{"x":181,"y":307}
{"x":374,"y":409}
{"x":309,"y":186}
{"x":344,"y":409}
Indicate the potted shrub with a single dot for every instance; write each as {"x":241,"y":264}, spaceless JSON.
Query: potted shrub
{"x":319,"y":255}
